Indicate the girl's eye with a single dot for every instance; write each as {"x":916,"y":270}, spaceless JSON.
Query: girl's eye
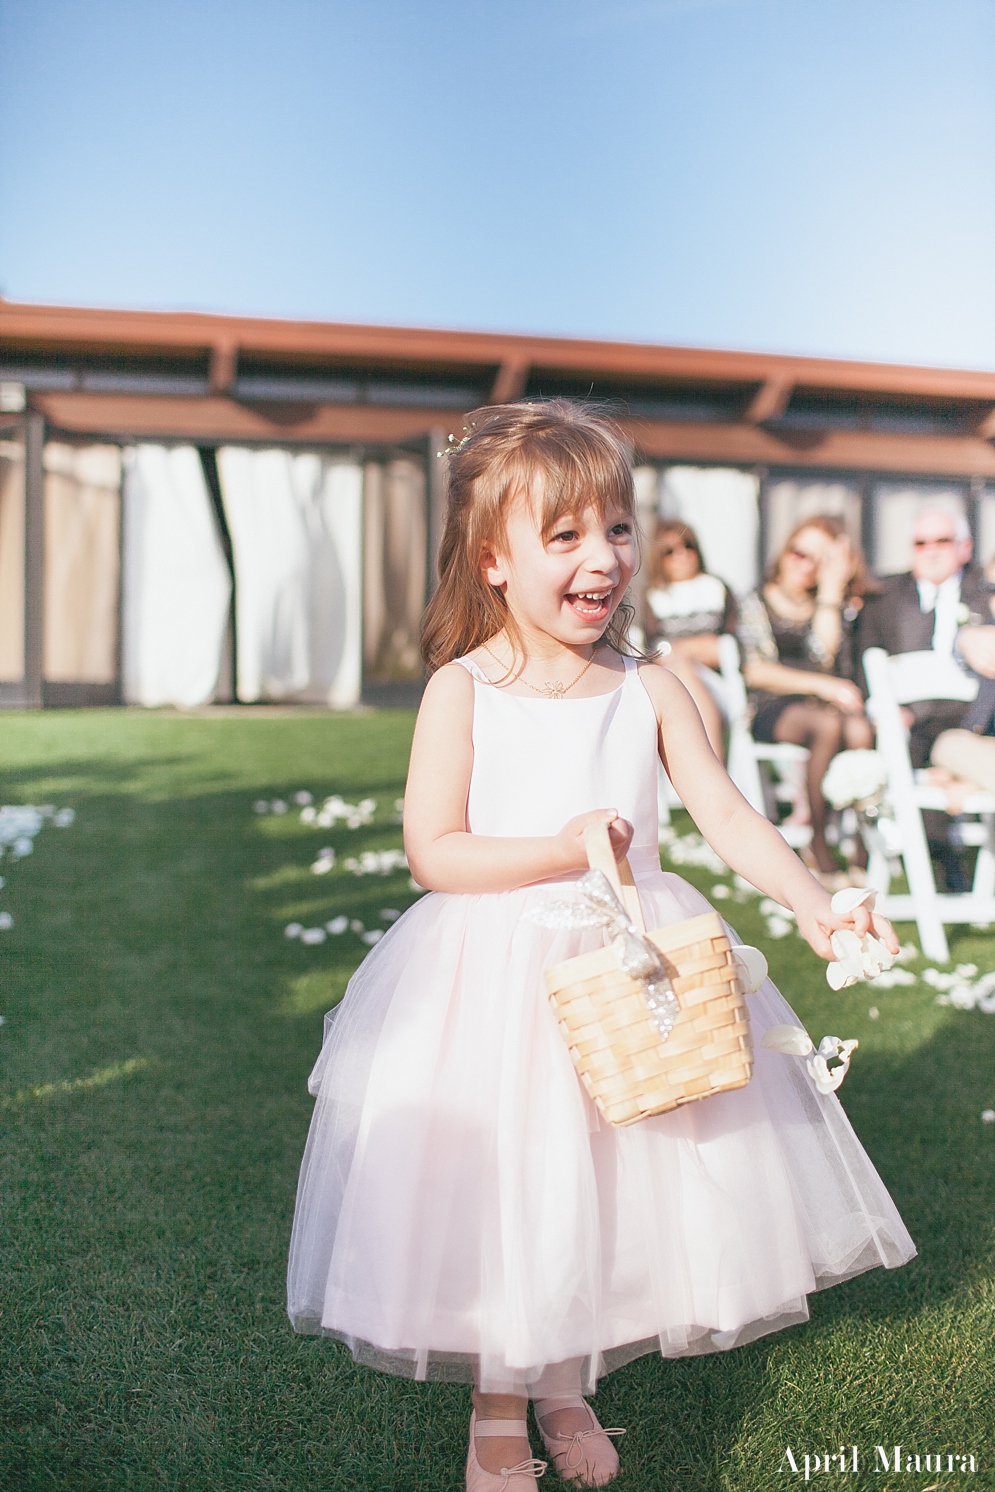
{"x":566,"y":537}
{"x":621,"y":529}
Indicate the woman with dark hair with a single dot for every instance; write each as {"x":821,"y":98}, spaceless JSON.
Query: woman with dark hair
{"x":796,"y":635}
{"x":688,"y":609}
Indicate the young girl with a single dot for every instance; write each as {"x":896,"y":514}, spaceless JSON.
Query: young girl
{"x":463,"y":1211}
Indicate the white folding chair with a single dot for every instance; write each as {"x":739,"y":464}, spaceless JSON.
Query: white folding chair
{"x":747,"y":756}
{"x":893,"y":682}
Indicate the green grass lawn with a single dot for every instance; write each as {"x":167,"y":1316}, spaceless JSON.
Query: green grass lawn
{"x":159,"y":1031}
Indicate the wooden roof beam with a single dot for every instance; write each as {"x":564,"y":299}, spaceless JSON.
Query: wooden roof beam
{"x":512,"y":378}
{"x":770,"y":400}
{"x":223,"y":367}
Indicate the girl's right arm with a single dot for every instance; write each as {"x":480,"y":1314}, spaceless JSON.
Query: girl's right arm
{"x":442,"y":854}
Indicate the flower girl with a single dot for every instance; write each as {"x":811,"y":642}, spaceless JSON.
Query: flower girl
{"x":464,"y":1212}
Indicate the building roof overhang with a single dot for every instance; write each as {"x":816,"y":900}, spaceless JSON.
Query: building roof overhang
{"x":208,"y":378}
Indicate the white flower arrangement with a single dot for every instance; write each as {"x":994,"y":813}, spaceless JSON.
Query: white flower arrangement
{"x":854,"y":778}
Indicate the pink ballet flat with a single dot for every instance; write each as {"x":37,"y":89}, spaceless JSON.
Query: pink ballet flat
{"x":586,"y":1456}
{"x":520,"y":1478}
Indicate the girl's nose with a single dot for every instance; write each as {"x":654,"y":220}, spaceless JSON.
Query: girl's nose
{"x":600,"y":555}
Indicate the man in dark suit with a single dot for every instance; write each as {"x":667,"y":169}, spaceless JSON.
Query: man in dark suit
{"x":926,"y":608}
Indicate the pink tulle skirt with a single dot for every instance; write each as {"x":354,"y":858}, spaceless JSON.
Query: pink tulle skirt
{"x":464,"y":1212}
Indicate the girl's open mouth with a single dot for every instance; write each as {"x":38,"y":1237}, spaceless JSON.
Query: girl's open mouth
{"x":592,"y":606}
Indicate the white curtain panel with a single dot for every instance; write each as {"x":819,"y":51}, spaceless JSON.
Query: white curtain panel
{"x":896,"y":507}
{"x":296,"y":529}
{"x":176,"y":588}
{"x":722,"y":506}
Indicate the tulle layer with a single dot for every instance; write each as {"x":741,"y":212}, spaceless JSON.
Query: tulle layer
{"x":464,"y":1213}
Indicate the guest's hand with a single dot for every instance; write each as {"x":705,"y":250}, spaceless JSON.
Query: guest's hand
{"x":836,"y":569}
{"x":977,"y":648}
{"x":843,"y":694}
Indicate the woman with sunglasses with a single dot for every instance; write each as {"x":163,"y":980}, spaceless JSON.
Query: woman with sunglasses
{"x":688,"y":609}
{"x":796,"y":634}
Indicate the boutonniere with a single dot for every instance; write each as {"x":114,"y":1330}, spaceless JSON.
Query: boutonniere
{"x":963,"y":614}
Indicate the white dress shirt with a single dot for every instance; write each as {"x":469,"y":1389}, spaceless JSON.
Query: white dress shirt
{"x":943,"y":601}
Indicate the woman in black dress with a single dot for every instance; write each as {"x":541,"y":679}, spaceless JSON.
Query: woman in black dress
{"x":796,"y":634}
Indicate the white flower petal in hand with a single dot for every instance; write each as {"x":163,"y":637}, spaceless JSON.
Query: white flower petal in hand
{"x":794,"y":1041}
{"x":851,"y":897}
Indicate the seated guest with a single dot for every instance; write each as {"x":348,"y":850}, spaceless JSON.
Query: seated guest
{"x":925,"y":609}
{"x":796,"y":636}
{"x":688,"y":608}
{"x":964,"y":758}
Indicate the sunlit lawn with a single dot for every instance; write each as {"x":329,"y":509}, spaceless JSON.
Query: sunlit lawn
{"x":159,"y":1031}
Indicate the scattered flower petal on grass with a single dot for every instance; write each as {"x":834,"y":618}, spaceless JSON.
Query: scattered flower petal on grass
{"x":874,"y":1012}
{"x":376,"y":862}
{"x":278,"y":806}
{"x":313,"y":935}
{"x":324,"y":862}
{"x":303,"y":797}
{"x":6,"y":921}
{"x":906,"y":953}
{"x":308,"y":815}
{"x":64,"y":818}
{"x":988,"y":1116}
{"x":389,"y":914}
{"x":356,"y":926}
{"x":293,"y":929}
{"x":889,"y":978}
{"x":721,"y":892}
{"x":260,"y":806}
{"x":337,"y":925}
{"x":779,"y":927}
{"x":373,"y":936}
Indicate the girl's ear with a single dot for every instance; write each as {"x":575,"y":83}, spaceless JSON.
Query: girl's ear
{"x":492,"y":567}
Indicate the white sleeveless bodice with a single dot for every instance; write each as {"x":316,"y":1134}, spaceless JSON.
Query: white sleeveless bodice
{"x":539,"y":762}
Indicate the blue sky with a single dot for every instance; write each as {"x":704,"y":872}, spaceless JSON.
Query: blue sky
{"x":811,"y":176}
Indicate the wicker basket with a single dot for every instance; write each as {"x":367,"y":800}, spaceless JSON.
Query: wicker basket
{"x":626,"y":1067}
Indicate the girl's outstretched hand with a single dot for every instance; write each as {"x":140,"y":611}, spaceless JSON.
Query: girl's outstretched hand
{"x":571,"y":836}
{"x":817,"y":922}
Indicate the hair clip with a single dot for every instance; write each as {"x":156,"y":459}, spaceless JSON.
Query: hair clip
{"x":454,"y":444}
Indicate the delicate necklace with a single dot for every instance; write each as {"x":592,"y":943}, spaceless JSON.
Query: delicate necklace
{"x":552,"y":688}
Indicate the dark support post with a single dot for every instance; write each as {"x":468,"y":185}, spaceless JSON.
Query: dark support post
{"x":34,"y":557}
{"x":868,"y":522}
{"x":436,"y":487}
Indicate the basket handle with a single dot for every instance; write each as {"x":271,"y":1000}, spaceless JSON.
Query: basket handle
{"x":601,"y":856}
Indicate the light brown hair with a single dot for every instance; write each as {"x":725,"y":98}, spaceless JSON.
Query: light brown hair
{"x":861,"y":582}
{"x":670,"y":528}
{"x":564,"y":455}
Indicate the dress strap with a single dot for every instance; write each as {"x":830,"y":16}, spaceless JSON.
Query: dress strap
{"x":473,"y":669}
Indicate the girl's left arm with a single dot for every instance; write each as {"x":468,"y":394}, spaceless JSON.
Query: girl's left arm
{"x":747,"y":841}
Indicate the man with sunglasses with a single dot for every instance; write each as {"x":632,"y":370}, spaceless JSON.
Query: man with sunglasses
{"x":937,"y":605}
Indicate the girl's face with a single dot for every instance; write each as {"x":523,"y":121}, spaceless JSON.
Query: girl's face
{"x":567,"y":586}
{"x":679,"y":560}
